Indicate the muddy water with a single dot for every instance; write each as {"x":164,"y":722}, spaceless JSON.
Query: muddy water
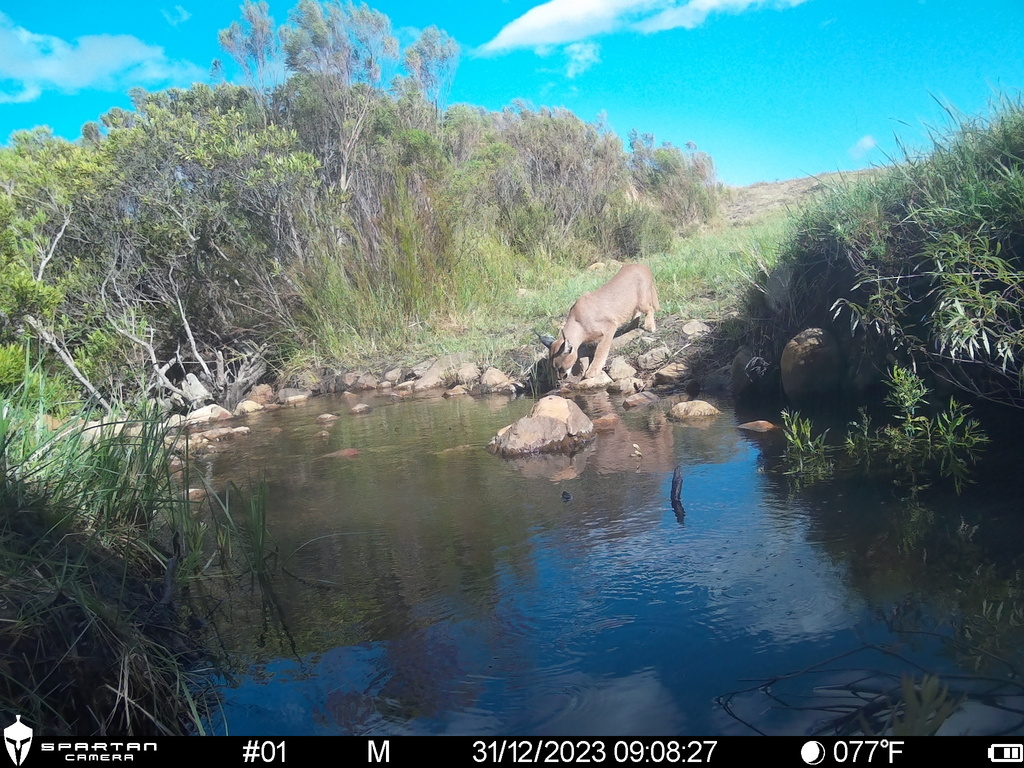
{"x":425,"y":586}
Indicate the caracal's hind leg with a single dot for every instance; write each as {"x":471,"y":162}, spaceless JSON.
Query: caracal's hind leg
{"x":600,"y":356}
{"x":649,"y":320}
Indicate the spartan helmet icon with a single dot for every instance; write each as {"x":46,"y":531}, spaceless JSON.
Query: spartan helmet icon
{"x":18,"y":738}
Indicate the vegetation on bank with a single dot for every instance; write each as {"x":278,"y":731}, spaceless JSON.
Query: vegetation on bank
{"x":338,"y":214}
{"x":347,"y":215}
{"x":920,"y":264}
{"x":104,"y":568}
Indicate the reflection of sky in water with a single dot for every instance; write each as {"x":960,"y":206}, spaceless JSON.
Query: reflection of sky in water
{"x":610,"y":617}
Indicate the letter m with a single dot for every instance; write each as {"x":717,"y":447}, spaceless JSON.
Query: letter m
{"x":381,"y":755}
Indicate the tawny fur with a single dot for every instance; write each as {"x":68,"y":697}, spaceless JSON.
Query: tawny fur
{"x":597,"y":315}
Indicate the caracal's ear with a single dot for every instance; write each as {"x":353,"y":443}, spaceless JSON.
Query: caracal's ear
{"x":567,"y":350}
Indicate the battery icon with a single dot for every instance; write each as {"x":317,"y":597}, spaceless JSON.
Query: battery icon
{"x":1006,"y":753}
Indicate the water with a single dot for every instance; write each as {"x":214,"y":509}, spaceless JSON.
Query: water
{"x":428,"y":587}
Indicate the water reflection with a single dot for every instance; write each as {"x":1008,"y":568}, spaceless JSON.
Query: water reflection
{"x":429,"y":587}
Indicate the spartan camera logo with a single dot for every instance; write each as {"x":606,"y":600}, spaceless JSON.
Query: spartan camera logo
{"x":18,"y":738}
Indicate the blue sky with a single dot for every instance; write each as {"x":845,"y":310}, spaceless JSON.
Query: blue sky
{"x":772,"y":89}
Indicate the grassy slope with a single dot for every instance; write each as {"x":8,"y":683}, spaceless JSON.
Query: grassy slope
{"x":704,"y":276}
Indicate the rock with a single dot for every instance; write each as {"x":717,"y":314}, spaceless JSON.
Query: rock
{"x":323,"y":434}
{"x":304,"y":381}
{"x":261,"y":393}
{"x":241,"y":431}
{"x":212,"y":412}
{"x":606,"y":423}
{"x":440,"y":371}
{"x":326,"y":418}
{"x":492,"y":378}
{"x":247,"y":406}
{"x":196,"y":494}
{"x":692,"y":409}
{"x":364,"y":383}
{"x":757,"y":426}
{"x":431,"y":379}
{"x":291,"y":395}
{"x":344,"y":453}
{"x":216,"y":435}
{"x":395,"y":375}
{"x":810,"y":365}
{"x":359,"y":408}
{"x":623,"y":339}
{"x":627,"y":386}
{"x":640,"y":399}
{"x":598,"y":381}
{"x":175,"y":420}
{"x":554,"y":424}
{"x":467,"y":373}
{"x":457,"y":391}
{"x":696,"y":328}
{"x":673,"y":373}
{"x":654,"y":358}
{"x":620,"y":369}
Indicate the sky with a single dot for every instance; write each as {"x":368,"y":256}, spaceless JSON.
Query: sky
{"x":771,"y":89}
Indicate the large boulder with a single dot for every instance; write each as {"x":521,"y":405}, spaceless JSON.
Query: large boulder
{"x":212,"y":412}
{"x":440,"y":372}
{"x":554,"y":424}
{"x":811,"y":365}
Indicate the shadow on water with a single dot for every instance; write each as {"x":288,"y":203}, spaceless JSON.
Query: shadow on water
{"x":430,"y":587}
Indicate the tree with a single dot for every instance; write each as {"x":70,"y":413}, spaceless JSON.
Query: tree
{"x":253,"y":47}
{"x":341,"y":54}
{"x":431,"y":62}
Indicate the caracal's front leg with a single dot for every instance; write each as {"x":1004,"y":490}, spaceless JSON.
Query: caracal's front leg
{"x":600,"y":356}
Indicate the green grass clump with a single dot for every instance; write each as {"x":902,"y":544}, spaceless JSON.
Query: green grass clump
{"x":90,"y":637}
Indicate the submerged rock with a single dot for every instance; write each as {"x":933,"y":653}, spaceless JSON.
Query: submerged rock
{"x":692,"y":409}
{"x":757,"y":426}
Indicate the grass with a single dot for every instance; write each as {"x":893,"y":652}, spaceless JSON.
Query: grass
{"x":500,"y":299}
{"x":923,"y":261}
{"x":92,"y":639}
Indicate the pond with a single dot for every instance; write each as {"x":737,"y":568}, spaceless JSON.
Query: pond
{"x":425,"y":586}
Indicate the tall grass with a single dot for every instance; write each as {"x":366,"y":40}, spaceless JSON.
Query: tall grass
{"x":90,"y":637}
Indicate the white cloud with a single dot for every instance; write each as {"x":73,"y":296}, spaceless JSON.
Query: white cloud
{"x":178,"y":16}
{"x":558,"y":22}
{"x":864,"y":145}
{"x":31,"y":63}
{"x":582,"y":56}
{"x":693,"y":13}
